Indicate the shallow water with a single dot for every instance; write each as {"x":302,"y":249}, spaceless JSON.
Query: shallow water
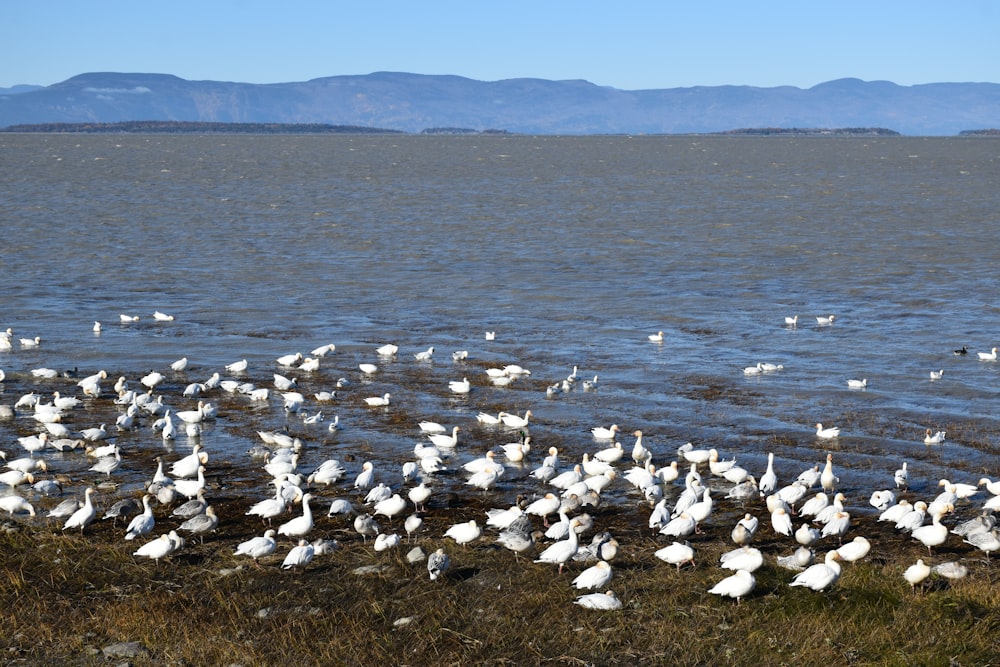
{"x":572,"y":249}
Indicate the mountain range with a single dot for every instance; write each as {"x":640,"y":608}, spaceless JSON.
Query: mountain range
{"x":417,"y":102}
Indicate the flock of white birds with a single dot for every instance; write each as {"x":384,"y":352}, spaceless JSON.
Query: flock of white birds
{"x":683,"y":488}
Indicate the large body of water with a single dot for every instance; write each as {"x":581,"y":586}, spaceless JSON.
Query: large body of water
{"x":573,"y":250}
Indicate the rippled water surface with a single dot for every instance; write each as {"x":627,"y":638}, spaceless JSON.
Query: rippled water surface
{"x":572,"y":249}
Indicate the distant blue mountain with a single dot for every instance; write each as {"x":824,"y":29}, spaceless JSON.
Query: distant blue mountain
{"x":15,"y":90}
{"x":415,"y":102}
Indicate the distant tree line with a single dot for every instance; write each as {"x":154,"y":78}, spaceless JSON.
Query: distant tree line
{"x":800,"y":131}
{"x":980,"y":133}
{"x":460,"y":130}
{"x":188,"y":127}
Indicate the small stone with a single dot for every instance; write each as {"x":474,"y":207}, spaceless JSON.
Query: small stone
{"x":416,"y":555}
{"x":124,"y":650}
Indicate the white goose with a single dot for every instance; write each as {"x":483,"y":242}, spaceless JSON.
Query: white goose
{"x":604,"y":433}
{"x":821,"y":575}
{"x":988,"y":356}
{"x":445,"y":440}
{"x":257,"y":547}
{"x":934,"y":438}
{"x":515,"y":421}
{"x":161,"y":547}
{"x":563,"y":551}
{"x":738,"y":586}
{"x":141,"y":524}
{"x":83,"y":516}
{"x":826,"y":433}
{"x":300,"y":525}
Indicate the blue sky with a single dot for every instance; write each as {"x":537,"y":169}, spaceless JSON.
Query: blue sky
{"x":627,"y":45}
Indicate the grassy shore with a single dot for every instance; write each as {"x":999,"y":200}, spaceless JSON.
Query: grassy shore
{"x":71,"y":598}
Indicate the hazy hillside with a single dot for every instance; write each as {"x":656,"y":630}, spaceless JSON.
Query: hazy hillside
{"x":412,"y":102}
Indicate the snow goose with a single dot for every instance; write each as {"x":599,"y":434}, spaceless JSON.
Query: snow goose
{"x":108,"y":464}
{"x":916,"y":574}
{"x":610,"y":454}
{"x":300,"y":525}
{"x":387,"y":350}
{"x":366,"y":478}
{"x":827,"y":479}
{"x":826,"y":433}
{"x":464,"y":533}
{"x":792,"y":321}
{"x":988,"y":356}
{"x":854,"y":550}
{"x":200,"y":524}
{"x":742,"y":558}
{"x":323,"y":350}
{"x":432,"y":427}
{"x":97,"y":327}
{"x":935,"y":533}
{"x":289,"y":360}
{"x":437,"y":564}
{"x":882,"y":500}
{"x":517,"y":451}
{"x":190,"y":488}
{"x":237,"y":366}
{"x":445,"y":440}
{"x":83,"y":516}
{"x":606,"y":601}
{"x":738,"y":585}
{"x":858,"y":384}
{"x":604,"y":433}
{"x":30,"y":343}
{"x":837,"y":526}
{"x":299,"y":556}
{"x":14,"y":503}
{"x":814,"y":505}
{"x":419,"y":495}
{"x":798,"y":560}
{"x":385,"y":542}
{"x":257,"y":547}
{"x":544,"y":507}
{"x":824,"y":320}
{"x":992,"y":486}
{"x":426,"y":355}
{"x":640,"y":454}
{"x":821,"y":575}
{"x":141,"y":524}
{"x":563,"y":551}
{"x":161,"y":547}
{"x":677,"y":553}
{"x":515,"y":421}
{"x":488,"y":419}
{"x":390,"y":507}
{"x":781,"y":521}
{"x":188,"y":465}
{"x":769,"y":480}
{"x":681,"y":526}
{"x":595,"y":576}
{"x":934,"y":438}
{"x":378,"y":401}
{"x":656,"y":338}
{"x":901,"y":477}
{"x":192,"y":507}
{"x":806,"y":535}
{"x":162,"y":317}
{"x":937,"y":375}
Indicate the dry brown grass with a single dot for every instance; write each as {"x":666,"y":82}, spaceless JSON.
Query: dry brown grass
{"x":67,"y":596}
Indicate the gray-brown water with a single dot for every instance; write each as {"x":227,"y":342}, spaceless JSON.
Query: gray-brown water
{"x":573,"y":250}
